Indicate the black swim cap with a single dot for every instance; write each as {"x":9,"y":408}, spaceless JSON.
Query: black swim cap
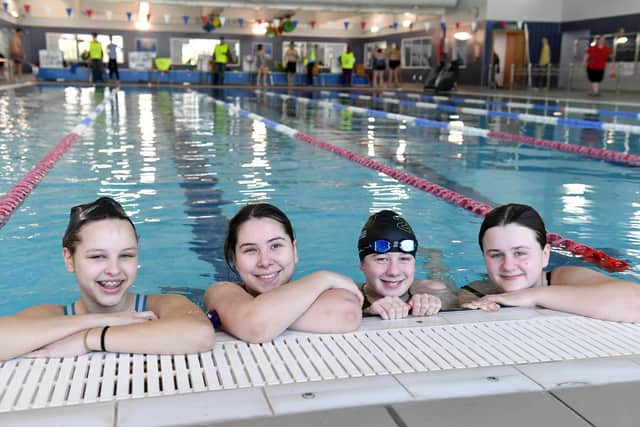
{"x":385,"y":225}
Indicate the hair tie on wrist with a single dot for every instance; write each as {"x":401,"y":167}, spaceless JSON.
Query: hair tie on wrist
{"x":102,"y":337}
{"x":84,"y":341}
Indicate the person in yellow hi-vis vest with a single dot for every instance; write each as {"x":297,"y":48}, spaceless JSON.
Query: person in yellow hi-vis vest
{"x":347,"y":62}
{"x":310,"y":60}
{"x":95,"y":55}
{"x":220,"y":59}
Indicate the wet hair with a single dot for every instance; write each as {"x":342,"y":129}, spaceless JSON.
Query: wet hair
{"x":260,"y":46}
{"x":101,"y":209}
{"x":257,"y":211}
{"x":385,"y":225}
{"x":514,"y":213}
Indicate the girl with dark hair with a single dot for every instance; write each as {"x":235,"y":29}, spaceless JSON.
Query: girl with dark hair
{"x":100,"y":246}
{"x":514,"y":245}
{"x":261,"y":247}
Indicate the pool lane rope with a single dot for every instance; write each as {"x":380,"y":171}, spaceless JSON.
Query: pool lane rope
{"x":512,"y":104}
{"x":593,"y":256}
{"x":533,"y":118}
{"x":20,"y":191}
{"x":596,"y":153}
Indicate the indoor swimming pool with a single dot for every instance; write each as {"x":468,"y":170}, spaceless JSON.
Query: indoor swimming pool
{"x":182,"y":165}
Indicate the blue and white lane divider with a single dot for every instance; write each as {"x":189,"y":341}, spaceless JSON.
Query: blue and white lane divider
{"x":597,"y":153}
{"x":19,"y":192}
{"x":548,"y":120}
{"x":410,"y":120}
{"x":513,"y":104}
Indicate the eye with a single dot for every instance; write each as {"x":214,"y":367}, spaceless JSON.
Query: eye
{"x":128,"y":255}
{"x":96,"y":256}
{"x":520,"y":253}
{"x":381,"y":259}
{"x":495,"y":255}
{"x":406,"y":258}
{"x":249,"y":250}
{"x":277,"y":245}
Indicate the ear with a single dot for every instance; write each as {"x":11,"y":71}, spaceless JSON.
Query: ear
{"x":68,"y":260}
{"x":362,"y":266}
{"x":546,"y":253}
{"x":295,"y":252}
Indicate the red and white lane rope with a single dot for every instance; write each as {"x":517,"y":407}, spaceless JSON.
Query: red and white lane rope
{"x":591,"y":255}
{"x":20,"y":191}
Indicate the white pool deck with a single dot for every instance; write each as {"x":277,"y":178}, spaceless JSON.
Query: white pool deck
{"x":514,"y":367}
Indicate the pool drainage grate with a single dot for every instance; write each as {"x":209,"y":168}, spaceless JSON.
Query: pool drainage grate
{"x":102,"y":377}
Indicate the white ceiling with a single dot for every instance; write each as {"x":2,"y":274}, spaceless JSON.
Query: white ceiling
{"x":167,"y":15}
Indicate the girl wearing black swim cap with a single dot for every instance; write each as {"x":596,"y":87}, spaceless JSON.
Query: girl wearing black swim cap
{"x":513,"y":240}
{"x":261,"y":247}
{"x":387,"y":248}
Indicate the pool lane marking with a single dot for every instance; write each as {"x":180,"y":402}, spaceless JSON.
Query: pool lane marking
{"x":20,"y":191}
{"x":588,"y":254}
{"x":513,"y":104}
{"x":591,"y":152}
{"x":556,"y":121}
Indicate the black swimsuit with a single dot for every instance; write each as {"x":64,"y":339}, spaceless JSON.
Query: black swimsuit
{"x":480,"y":294}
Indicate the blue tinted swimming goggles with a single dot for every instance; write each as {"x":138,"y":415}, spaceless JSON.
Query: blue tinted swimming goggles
{"x":383,"y":246}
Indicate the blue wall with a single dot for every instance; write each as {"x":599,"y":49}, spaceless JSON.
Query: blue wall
{"x":630,"y":23}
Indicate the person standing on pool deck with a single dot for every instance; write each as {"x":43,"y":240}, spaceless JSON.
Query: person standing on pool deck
{"x":96,"y":55}
{"x":387,"y":248}
{"x":596,"y":62}
{"x":100,"y":246}
{"x":261,"y":247}
{"x":112,"y":48}
{"x":291,"y":58}
{"x":513,"y":240}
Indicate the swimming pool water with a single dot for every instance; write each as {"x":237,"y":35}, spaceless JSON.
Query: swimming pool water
{"x":183,"y":166}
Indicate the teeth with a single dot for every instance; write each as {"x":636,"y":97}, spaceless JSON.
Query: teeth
{"x":267,"y":276}
{"x":110,"y":284}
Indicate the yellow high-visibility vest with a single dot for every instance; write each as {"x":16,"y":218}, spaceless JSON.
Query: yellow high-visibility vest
{"x":220,"y":53}
{"x":95,"y":49}
{"x":311,"y":56}
{"x":347,"y":60}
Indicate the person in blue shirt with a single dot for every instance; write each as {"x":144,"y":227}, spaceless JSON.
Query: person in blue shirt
{"x":112,"y":50}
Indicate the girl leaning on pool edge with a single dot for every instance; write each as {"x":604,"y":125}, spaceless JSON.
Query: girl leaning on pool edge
{"x":100,"y":247}
{"x":387,"y":249}
{"x":261,"y":247}
{"x":513,"y":240}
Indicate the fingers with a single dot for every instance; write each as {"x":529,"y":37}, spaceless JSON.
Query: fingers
{"x":425,"y":305}
{"x":391,"y":308}
{"x":145,"y":315}
{"x":483,"y":304}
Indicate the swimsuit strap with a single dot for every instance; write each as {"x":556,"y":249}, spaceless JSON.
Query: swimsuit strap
{"x":473,"y":291}
{"x":548,"y":273}
{"x":70,"y":309}
{"x":141,"y":303}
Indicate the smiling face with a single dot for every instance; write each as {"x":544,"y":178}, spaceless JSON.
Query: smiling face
{"x":264,"y":256}
{"x":390,"y":274}
{"x":105,"y":262}
{"x":513,"y":257}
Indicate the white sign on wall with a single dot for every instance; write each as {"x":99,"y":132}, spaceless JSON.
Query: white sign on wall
{"x":50,"y":58}
{"x":141,"y":60}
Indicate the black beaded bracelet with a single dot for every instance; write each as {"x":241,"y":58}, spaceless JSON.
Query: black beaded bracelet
{"x":102,"y":337}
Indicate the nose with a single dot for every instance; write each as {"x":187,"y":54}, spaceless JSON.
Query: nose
{"x":393,"y":268}
{"x":508,"y":262}
{"x":113,"y":267}
{"x":264,"y":259}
